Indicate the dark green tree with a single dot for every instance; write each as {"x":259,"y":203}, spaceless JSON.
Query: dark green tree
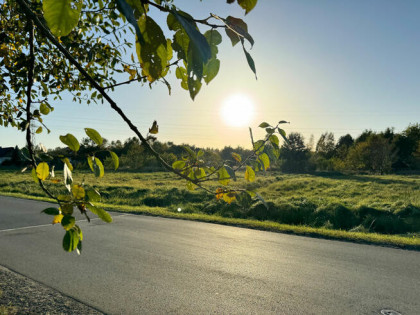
{"x":294,"y":155}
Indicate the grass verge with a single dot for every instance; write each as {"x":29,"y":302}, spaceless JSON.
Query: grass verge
{"x":405,"y":242}
{"x":7,"y":309}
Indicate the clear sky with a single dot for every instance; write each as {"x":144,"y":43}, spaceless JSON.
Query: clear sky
{"x":327,"y":65}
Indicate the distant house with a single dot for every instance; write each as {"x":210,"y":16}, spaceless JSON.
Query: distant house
{"x":6,"y":154}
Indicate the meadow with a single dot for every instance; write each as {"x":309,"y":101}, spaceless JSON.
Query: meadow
{"x":368,"y":208}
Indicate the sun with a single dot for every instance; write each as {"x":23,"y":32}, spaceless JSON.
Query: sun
{"x":237,"y":110}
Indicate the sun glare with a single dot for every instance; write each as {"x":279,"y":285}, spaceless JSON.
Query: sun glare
{"x":237,"y":110}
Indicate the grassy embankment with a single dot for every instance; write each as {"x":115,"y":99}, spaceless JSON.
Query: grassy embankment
{"x":374,"y":209}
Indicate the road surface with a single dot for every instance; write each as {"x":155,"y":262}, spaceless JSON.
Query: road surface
{"x":149,"y":265}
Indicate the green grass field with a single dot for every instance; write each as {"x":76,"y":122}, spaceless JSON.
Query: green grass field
{"x":363,"y":208}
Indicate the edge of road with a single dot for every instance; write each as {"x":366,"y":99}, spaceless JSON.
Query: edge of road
{"x":384,"y":240}
{"x":20,"y":294}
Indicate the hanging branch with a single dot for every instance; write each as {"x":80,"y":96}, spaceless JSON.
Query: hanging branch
{"x":33,"y":17}
{"x":31,"y":66}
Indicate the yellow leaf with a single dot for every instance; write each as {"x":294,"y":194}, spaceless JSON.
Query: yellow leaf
{"x":155,"y":128}
{"x":78,"y":192}
{"x":237,"y":157}
{"x":249,"y":174}
{"x":42,"y":171}
{"x":57,"y":219}
{"x":229,"y":197}
{"x":219,"y":193}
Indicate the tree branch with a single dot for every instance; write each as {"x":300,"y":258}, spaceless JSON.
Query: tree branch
{"x":33,"y":17}
{"x":31,"y":66}
{"x":202,"y":21}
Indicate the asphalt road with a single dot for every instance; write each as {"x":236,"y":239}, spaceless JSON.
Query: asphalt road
{"x":148,"y":265}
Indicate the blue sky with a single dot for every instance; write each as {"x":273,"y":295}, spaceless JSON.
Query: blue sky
{"x":339,"y":66}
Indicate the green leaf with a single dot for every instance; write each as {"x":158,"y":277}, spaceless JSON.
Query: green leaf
{"x":199,"y":173}
{"x":270,"y":130}
{"x":98,"y":168}
{"x":92,"y":195}
{"x":259,"y":146}
{"x":128,"y":12}
{"x":195,"y":36}
{"x":44,"y":109}
{"x":211,"y":69}
{"x":42,"y":171}
{"x":62,"y":16}
{"x":181,"y":73}
{"x":115,"y":159}
{"x":234,"y":38}
{"x":237,"y":29}
{"x":195,"y":64}
{"x":94,"y":136}
{"x":68,"y":222}
{"x":249,"y":174}
{"x":231,"y":172}
{"x":265,"y":160}
{"x":224,"y":177}
{"x":178,"y":165}
{"x":190,"y":152}
{"x":78,"y":192}
{"x":213,"y":37}
{"x":276,"y":152}
{"x":70,"y":240}
{"x":194,"y":87}
{"x":191,"y":186}
{"x":79,"y":231}
{"x":90,"y":160}
{"x":51,"y":211}
{"x":38,"y":130}
{"x":274,"y":140}
{"x":71,"y":142}
{"x":247,"y":5}
{"x":250,"y":61}
{"x":264,"y":125}
{"x":66,"y":208}
{"x":283,"y":134}
{"x":101,"y":213}
{"x":154,"y":53}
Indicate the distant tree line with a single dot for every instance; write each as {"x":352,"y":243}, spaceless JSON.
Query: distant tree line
{"x":370,"y":152}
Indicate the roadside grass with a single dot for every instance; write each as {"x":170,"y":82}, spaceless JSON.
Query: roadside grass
{"x":7,"y":309}
{"x":383,"y":210}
